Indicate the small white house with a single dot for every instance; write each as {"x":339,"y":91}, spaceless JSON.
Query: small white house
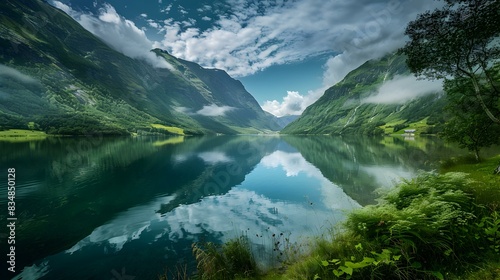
{"x":410,"y":131}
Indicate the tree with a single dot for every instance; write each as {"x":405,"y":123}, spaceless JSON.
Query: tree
{"x":460,"y":40}
{"x":468,"y":125}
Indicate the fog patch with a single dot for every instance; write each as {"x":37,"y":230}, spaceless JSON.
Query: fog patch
{"x":402,"y":89}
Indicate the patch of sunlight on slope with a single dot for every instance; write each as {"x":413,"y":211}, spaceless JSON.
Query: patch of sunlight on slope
{"x":171,"y":129}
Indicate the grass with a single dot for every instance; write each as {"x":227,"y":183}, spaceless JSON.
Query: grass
{"x":232,"y":260}
{"x":170,"y":129}
{"x":489,"y":186}
{"x":468,"y":164}
{"x":389,"y":127}
{"x":21,"y":135}
{"x":420,"y":126}
{"x":487,"y":271}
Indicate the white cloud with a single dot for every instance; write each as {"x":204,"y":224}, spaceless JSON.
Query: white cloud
{"x":144,"y":15}
{"x":214,"y":110}
{"x":258,"y":35}
{"x":254,"y":36}
{"x":211,"y":110}
{"x":153,"y":24}
{"x":402,"y":89}
{"x":205,"y":18}
{"x":119,"y":33}
{"x":65,"y":8}
{"x":167,"y":9}
{"x":381,"y":32}
{"x":184,"y":110}
{"x":9,"y":72}
{"x":293,"y":103}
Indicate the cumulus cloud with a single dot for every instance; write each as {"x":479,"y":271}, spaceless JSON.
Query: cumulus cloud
{"x":253,"y":35}
{"x":11,"y":73}
{"x":259,"y":34}
{"x":293,"y":103}
{"x":153,"y":24}
{"x":211,"y":110}
{"x":118,"y":32}
{"x":402,"y":89}
{"x":214,"y":110}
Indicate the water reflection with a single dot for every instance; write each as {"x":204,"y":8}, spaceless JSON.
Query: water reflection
{"x":362,"y":165}
{"x":88,"y":206}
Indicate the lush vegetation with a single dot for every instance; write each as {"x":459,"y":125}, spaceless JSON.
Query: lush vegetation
{"x":231,"y":260}
{"x":168,"y":129}
{"x":21,"y":135}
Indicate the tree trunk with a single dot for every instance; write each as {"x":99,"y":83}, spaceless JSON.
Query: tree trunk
{"x":497,"y":170}
{"x":476,"y":153}
{"x":481,"y":101}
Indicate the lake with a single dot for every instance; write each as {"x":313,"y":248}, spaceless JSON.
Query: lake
{"x":113,"y":208}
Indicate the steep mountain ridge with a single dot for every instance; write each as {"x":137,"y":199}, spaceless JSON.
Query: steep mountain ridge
{"x":64,"y":80}
{"x":344,"y":107}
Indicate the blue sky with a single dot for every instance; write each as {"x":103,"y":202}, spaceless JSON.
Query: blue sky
{"x":285,"y":52}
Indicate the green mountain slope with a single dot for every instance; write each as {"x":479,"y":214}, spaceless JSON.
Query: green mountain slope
{"x":343,"y":108}
{"x":58,"y":75}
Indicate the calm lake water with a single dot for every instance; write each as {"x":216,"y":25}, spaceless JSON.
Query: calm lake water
{"x":99,"y":208}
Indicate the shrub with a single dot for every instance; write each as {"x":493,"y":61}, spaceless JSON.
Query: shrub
{"x":228,"y":261}
{"x":400,"y":126}
{"x":419,"y":230}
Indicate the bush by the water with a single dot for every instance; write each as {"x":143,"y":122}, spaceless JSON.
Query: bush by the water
{"x":426,"y":228}
{"x":228,"y":261}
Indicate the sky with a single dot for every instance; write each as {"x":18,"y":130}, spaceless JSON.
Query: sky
{"x":285,"y":52}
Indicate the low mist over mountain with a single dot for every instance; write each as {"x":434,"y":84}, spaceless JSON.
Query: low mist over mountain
{"x":378,"y":95}
{"x":60,"y":78}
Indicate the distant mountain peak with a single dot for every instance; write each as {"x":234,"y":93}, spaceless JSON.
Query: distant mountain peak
{"x":87,"y":85}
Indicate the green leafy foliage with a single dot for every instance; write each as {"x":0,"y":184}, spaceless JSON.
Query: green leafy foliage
{"x":491,"y":226}
{"x":458,"y":41}
{"x":425,"y":228}
{"x":468,"y":125}
{"x":345,"y":269}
